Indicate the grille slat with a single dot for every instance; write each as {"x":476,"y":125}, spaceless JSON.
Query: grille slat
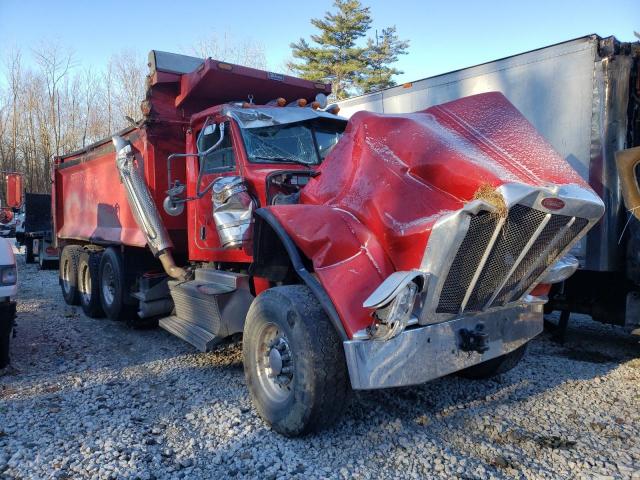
{"x":552,"y":255}
{"x":521,"y":225}
{"x":481,"y":228}
{"x":547,"y":236}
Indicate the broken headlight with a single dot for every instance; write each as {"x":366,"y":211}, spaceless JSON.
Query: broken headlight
{"x":393,"y":318}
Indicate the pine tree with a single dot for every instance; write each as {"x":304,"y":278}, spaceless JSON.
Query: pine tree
{"x":334,"y":55}
{"x":380,"y":54}
{"x":336,"y":58}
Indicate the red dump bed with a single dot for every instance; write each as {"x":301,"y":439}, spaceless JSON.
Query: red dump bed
{"x":90,"y":203}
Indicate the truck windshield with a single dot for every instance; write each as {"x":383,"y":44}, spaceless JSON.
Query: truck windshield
{"x":303,"y":143}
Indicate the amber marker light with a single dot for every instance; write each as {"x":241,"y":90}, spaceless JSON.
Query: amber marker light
{"x":281,"y":102}
{"x":225,"y":66}
{"x":302,"y":102}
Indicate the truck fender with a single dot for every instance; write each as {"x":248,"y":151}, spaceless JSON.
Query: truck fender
{"x":264,"y":218}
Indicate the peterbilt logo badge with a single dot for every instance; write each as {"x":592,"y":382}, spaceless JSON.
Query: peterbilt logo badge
{"x":552,"y":203}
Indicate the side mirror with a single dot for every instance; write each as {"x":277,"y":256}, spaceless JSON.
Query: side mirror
{"x":172,"y":207}
{"x":14,"y":186}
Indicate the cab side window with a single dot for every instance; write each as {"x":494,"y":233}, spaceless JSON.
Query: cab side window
{"x":222,"y":158}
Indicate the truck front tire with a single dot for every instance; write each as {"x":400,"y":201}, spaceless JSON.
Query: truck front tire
{"x":89,"y":283}
{"x":294,"y":361}
{"x":68,"y":276}
{"x":495,"y":366}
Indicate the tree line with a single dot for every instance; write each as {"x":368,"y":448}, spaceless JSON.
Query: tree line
{"x":51,"y":105}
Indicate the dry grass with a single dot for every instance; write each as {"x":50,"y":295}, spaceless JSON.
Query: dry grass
{"x":489,"y":194}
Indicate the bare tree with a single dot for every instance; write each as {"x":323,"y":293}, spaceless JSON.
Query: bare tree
{"x":129,"y":72}
{"x":225,"y":48}
{"x":54,"y":107}
{"x":54,"y":64}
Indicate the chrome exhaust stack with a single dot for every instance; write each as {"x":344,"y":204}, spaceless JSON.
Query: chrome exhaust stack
{"x":144,"y":209}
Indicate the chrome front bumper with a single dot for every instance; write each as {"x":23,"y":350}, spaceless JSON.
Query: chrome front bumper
{"x":424,"y":353}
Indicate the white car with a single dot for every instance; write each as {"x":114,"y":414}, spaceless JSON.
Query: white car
{"x":8,"y":289}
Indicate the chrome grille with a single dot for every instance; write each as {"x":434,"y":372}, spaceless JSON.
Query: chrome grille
{"x":498,"y":260}
{"x":572,"y":232}
{"x":546,"y":237}
{"x":481,"y":228}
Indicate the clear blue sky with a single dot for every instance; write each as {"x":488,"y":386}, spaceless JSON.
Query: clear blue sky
{"x":445,"y":35}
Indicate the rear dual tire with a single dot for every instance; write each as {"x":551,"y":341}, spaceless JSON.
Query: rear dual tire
{"x":68,"y":274}
{"x":95,"y":280}
{"x":113,"y":288}
{"x":88,"y":284}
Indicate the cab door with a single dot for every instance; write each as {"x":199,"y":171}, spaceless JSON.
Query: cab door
{"x":220,"y":161}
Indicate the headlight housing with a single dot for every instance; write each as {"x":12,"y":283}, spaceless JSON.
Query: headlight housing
{"x":8,"y":275}
{"x":393,"y":318}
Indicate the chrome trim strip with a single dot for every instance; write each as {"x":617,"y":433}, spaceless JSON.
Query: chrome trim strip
{"x":483,"y":260}
{"x":544,"y":254}
{"x":424,"y":353}
{"x":523,"y":254}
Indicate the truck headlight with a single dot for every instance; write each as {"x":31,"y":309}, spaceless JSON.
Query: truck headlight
{"x":393,"y":318}
{"x":8,"y":275}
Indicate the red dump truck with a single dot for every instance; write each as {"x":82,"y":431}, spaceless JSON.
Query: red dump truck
{"x":382,"y":252}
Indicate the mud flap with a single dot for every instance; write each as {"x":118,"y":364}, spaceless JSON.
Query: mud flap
{"x":7,"y":319}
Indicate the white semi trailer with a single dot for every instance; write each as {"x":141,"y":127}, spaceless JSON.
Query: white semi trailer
{"x":583,"y":96}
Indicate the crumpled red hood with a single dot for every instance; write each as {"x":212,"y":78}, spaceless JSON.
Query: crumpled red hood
{"x":391,"y":177}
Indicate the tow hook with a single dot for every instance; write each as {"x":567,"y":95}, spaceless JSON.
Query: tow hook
{"x":476,"y":340}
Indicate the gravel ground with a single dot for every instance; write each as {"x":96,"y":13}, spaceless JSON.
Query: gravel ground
{"x":94,"y":399}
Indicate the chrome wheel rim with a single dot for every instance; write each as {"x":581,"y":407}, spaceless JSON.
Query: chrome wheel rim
{"x":108,"y":283}
{"x":274,"y":363}
{"x":65,"y":276}
{"x":85,"y":284}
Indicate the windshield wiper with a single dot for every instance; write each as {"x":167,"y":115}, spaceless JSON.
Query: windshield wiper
{"x":282,"y":159}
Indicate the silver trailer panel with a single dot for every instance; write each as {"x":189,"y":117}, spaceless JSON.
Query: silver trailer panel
{"x":576,"y":95}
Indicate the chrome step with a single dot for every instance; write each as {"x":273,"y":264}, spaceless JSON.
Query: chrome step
{"x":190,"y":332}
{"x":197,"y":302}
{"x":211,"y":306}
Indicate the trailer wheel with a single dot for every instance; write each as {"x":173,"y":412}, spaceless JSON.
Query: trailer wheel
{"x":28,"y":257}
{"x":495,"y":366}
{"x":68,"y":276}
{"x":112,"y":285}
{"x":294,"y":362}
{"x":89,"y":284}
